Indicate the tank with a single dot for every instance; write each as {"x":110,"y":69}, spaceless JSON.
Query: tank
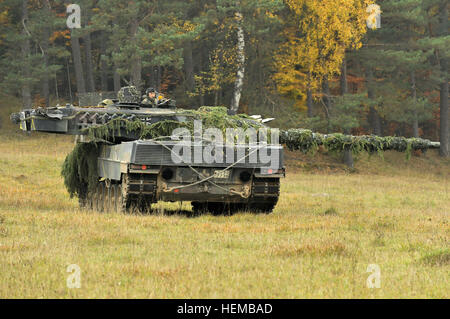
{"x":127,"y":158}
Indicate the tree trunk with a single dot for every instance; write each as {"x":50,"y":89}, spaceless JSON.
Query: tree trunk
{"x":241,"y":66}
{"x":158,"y":78}
{"x":309,"y":99}
{"x":76,"y":55}
{"x":414,"y":96}
{"x":188,"y":66}
{"x":309,"y":103}
{"x":45,"y":75}
{"x":348,"y":158}
{"x":415,"y":125}
{"x":326,"y":101}
{"x":374,"y":121}
{"x":343,"y":78}
{"x":89,"y":70}
{"x":216,"y":98}
{"x":136,"y":63}
{"x":136,"y":72}
{"x":374,"y":117}
{"x":69,"y":85}
{"x":154,"y":76}
{"x":44,"y":46}
{"x":199,"y":63}
{"x":25,"y":48}
{"x":116,"y":78}
{"x":444,"y":131}
{"x":103,"y":64}
{"x":348,"y":155}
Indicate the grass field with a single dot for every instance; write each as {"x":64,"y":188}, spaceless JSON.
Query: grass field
{"x":329,"y":225}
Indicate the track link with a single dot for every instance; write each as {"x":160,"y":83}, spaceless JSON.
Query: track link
{"x":134,"y":191}
{"x":265,"y":194}
{"x":138,"y":191}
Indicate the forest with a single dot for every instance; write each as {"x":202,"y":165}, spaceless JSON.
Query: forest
{"x":347,"y":81}
{"x":349,"y":66}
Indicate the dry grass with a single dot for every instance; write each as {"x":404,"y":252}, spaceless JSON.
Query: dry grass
{"x":327,"y":228}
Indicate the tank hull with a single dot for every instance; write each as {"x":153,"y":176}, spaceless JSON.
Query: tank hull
{"x":145,"y":172}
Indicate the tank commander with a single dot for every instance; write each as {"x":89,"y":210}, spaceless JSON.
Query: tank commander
{"x":152,"y":97}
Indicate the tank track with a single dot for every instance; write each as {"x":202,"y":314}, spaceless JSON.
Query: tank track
{"x":138,"y":191}
{"x":265,"y":194}
{"x":135,"y":191}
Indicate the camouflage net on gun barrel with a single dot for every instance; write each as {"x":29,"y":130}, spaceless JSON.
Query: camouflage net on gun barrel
{"x":306,"y":141}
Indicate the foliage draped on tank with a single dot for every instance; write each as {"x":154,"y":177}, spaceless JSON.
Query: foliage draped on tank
{"x":80,"y":166}
{"x":80,"y":169}
{"x":295,"y":139}
{"x":306,"y":141}
{"x":216,"y":117}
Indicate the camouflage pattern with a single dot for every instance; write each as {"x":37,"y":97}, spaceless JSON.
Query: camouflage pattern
{"x":129,"y":94}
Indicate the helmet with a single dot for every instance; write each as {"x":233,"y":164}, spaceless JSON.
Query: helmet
{"x":129,"y":94}
{"x":149,"y":90}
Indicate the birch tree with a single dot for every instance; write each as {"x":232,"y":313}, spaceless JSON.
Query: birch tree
{"x":240,"y":53}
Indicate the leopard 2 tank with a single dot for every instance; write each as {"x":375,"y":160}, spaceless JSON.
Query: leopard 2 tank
{"x":129,"y":155}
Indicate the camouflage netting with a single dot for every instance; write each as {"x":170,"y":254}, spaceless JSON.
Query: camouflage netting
{"x":216,"y":117}
{"x":80,"y":167}
{"x":129,"y":94}
{"x":306,"y":141}
{"x":295,"y":139}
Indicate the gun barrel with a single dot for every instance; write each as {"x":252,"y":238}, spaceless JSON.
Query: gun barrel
{"x":435,"y":144}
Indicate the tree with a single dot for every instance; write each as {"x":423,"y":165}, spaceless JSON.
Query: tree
{"x":26,"y":91}
{"x":240,"y":52}
{"x":444,"y":129}
{"x":324,"y":31}
{"x":32,"y":64}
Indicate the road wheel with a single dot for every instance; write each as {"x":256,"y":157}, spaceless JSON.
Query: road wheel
{"x":82,"y":197}
{"x":100,"y":197}
{"x":90,"y":200}
{"x":107,"y":199}
{"x":113,"y":196}
{"x":94,"y":199}
{"x":123,"y":202}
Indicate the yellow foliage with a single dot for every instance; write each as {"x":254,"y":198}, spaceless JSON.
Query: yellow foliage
{"x":315,"y":46}
{"x":4,"y":17}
